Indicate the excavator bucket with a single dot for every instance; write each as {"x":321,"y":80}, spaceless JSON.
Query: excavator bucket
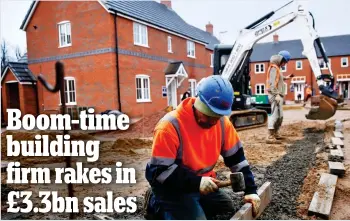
{"x":322,"y":108}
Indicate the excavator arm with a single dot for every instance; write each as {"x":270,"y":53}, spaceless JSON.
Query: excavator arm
{"x":250,"y":35}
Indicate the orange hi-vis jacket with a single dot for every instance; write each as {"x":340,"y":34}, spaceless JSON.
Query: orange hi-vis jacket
{"x":183,"y":151}
{"x":275,"y":85}
{"x":308,"y":91}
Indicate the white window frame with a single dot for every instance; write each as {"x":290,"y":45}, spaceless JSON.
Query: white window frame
{"x":191,"y":47}
{"x":325,"y":67}
{"x":193,"y":86}
{"x":286,"y":88}
{"x":345,"y":59}
{"x":260,"y":65}
{"x":301,"y":65}
{"x":256,"y":89}
{"x":140,"y":34}
{"x":68,"y":32}
{"x":211,"y":60}
{"x":69,"y":102}
{"x":170,"y":46}
{"x":143,"y":99}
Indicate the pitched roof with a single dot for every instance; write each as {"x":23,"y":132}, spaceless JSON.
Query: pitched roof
{"x":172,"y":67}
{"x":153,"y":13}
{"x":211,"y":39}
{"x":21,"y":72}
{"x":334,"y":46}
{"x":160,"y":15}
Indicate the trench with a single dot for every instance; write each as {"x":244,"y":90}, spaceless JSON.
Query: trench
{"x":286,"y":175}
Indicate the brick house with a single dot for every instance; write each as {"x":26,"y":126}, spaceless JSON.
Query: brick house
{"x":115,"y":53}
{"x":337,"y":49}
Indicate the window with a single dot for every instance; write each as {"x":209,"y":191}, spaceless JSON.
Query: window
{"x":170,"y":49}
{"x":140,"y":35}
{"x":299,"y":65}
{"x":143,"y":88}
{"x":344,"y":62}
{"x":260,"y":68}
{"x":260,"y":89}
{"x":193,"y":85}
{"x":191,"y":50}
{"x":64,"y":34}
{"x":323,"y":64}
{"x":211,"y":60}
{"x":69,"y":91}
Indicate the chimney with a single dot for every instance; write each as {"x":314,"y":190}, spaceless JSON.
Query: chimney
{"x":209,"y":28}
{"x":275,"y":38}
{"x":167,"y":3}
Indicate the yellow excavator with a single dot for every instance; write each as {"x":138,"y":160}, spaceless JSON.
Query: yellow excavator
{"x":232,"y":63}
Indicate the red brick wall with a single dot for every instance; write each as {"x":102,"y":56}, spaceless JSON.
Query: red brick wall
{"x":306,"y":71}
{"x":95,"y":80}
{"x":26,"y":96}
{"x":131,"y":66}
{"x":4,"y":96}
{"x":27,"y":99}
{"x":95,"y":76}
{"x":88,"y":30}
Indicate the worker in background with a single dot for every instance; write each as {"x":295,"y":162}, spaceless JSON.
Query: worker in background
{"x":276,"y":91}
{"x":308,"y":94}
{"x":186,"y":146}
{"x":186,"y":95}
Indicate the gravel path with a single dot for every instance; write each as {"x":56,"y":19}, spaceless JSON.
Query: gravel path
{"x":287,"y":176}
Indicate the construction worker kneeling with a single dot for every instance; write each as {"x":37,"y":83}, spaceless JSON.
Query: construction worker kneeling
{"x":187,"y":144}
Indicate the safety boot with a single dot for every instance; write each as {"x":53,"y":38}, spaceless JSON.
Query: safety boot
{"x":271,"y":138}
{"x":278,"y":136}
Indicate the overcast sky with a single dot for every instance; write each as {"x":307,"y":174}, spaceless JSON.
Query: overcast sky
{"x":332,"y":17}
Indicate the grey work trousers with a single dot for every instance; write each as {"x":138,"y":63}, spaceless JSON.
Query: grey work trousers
{"x":276,"y":118}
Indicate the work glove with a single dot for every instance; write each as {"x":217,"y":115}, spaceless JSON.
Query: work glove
{"x":208,"y":185}
{"x":254,"y":199}
{"x":278,"y":99}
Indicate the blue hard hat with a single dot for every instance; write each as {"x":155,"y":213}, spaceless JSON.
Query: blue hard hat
{"x":217,"y":94}
{"x":286,"y":55}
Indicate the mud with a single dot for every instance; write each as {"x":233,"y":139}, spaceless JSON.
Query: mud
{"x":142,"y":128}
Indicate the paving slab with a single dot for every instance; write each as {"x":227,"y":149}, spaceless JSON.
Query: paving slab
{"x":322,"y":200}
{"x":246,"y":211}
{"x":337,"y":142}
{"x":336,"y":168}
{"x":336,"y":155}
{"x":338,"y":134}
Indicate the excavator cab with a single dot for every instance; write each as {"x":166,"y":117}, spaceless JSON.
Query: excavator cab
{"x":247,"y":114}
{"x":244,"y":115}
{"x":232,"y":63}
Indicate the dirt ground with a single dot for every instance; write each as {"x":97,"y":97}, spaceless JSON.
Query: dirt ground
{"x":293,"y":167}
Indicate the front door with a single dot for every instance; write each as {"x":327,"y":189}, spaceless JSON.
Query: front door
{"x":172,"y":93}
{"x":344,"y":89}
{"x":299,"y":91}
